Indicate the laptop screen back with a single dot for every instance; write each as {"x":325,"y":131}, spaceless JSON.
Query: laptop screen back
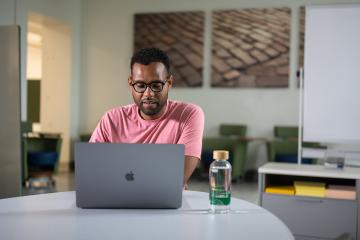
{"x":113,"y":175}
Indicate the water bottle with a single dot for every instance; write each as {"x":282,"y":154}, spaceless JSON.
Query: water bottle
{"x":220,"y":182}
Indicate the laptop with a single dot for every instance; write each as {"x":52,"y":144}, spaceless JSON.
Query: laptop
{"x":117,"y":175}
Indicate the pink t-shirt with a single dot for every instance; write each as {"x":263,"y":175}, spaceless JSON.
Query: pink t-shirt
{"x":182,"y":123}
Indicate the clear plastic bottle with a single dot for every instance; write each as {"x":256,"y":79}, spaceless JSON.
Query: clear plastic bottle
{"x":220,"y":182}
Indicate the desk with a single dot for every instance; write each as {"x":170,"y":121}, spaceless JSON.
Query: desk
{"x":55,"y":216}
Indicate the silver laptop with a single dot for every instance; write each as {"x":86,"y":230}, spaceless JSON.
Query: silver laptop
{"x":113,"y":175}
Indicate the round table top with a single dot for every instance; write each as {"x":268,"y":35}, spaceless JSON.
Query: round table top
{"x":55,"y":216}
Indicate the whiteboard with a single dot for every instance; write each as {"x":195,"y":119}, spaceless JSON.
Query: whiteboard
{"x":331,"y":107}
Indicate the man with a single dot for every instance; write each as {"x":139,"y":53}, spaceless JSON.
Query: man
{"x":153,"y":118}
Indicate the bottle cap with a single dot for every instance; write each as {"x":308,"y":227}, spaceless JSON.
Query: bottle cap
{"x":220,"y":154}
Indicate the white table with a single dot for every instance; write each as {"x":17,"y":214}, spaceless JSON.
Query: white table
{"x":55,"y":216}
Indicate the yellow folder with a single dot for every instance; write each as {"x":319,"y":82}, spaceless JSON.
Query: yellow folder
{"x":312,"y":189}
{"x":287,"y":190}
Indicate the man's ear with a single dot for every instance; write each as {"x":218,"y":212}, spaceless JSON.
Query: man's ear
{"x":170,"y":80}
{"x":129,"y":81}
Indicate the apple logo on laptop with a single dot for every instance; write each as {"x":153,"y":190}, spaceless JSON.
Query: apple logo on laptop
{"x":129,"y":176}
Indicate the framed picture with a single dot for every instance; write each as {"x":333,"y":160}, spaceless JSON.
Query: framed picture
{"x":181,"y":36}
{"x":250,"y":48}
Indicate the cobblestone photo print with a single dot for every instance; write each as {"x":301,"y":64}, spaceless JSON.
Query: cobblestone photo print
{"x":181,"y":35}
{"x":250,"y":48}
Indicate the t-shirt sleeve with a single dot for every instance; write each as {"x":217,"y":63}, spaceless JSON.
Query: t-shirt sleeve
{"x":102,"y":131}
{"x":192,"y":133}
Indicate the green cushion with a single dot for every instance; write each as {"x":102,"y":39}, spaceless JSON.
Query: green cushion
{"x":286,"y":131}
{"x":285,"y":147}
{"x":237,"y":149}
{"x":85,"y":137}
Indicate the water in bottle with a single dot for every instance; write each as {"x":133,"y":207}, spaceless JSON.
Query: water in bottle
{"x":220,"y":182}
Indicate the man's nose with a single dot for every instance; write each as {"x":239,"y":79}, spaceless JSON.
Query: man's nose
{"x":148,"y":92}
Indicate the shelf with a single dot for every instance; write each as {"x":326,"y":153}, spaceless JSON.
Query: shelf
{"x":272,"y":180}
{"x":310,"y":217}
{"x":309,"y":170}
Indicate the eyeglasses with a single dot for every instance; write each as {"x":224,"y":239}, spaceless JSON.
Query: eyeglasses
{"x":141,"y":87}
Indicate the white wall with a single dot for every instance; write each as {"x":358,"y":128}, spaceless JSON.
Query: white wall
{"x":56,"y":84}
{"x":7,"y":12}
{"x":107,"y":48}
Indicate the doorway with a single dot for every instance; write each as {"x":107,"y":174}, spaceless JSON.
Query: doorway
{"x":48,"y":75}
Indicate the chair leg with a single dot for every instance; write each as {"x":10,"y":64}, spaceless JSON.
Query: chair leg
{"x":237,"y":180}
{"x":41,"y":182}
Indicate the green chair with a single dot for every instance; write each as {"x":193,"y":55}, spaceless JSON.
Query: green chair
{"x":26,"y":128}
{"x":230,"y":139}
{"x":232,"y":130}
{"x":85,"y":137}
{"x":41,"y":157}
{"x":286,"y":132}
{"x":284,"y":148}
{"x":40,"y":154}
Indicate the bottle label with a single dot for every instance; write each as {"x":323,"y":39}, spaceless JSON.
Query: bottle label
{"x":219,"y":196}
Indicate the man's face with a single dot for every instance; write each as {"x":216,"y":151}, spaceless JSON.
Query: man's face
{"x":151,"y":103}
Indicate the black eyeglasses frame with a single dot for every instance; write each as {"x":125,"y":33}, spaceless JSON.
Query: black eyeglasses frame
{"x":148,"y":85}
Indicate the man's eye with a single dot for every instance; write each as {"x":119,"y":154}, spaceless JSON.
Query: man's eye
{"x":156,"y":86}
{"x":140,"y":85}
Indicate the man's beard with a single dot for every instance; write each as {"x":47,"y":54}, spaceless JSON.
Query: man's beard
{"x":154,"y":108}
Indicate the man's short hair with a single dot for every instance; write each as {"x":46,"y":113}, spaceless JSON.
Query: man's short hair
{"x":146,"y":56}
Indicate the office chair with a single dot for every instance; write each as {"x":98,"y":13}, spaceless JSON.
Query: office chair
{"x":42,"y":155}
{"x":284,"y":148}
{"x":232,"y":139}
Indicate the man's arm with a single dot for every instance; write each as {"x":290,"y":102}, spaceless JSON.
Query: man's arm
{"x":190,"y":165}
{"x":101,"y":132}
{"x":191,"y":137}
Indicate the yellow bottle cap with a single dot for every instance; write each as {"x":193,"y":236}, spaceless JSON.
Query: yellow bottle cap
{"x":221,"y":154}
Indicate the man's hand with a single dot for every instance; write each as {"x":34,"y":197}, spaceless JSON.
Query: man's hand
{"x":190,"y":165}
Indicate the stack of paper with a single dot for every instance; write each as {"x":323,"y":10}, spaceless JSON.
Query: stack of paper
{"x":287,"y":190}
{"x":341,"y":192}
{"x":312,"y":189}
